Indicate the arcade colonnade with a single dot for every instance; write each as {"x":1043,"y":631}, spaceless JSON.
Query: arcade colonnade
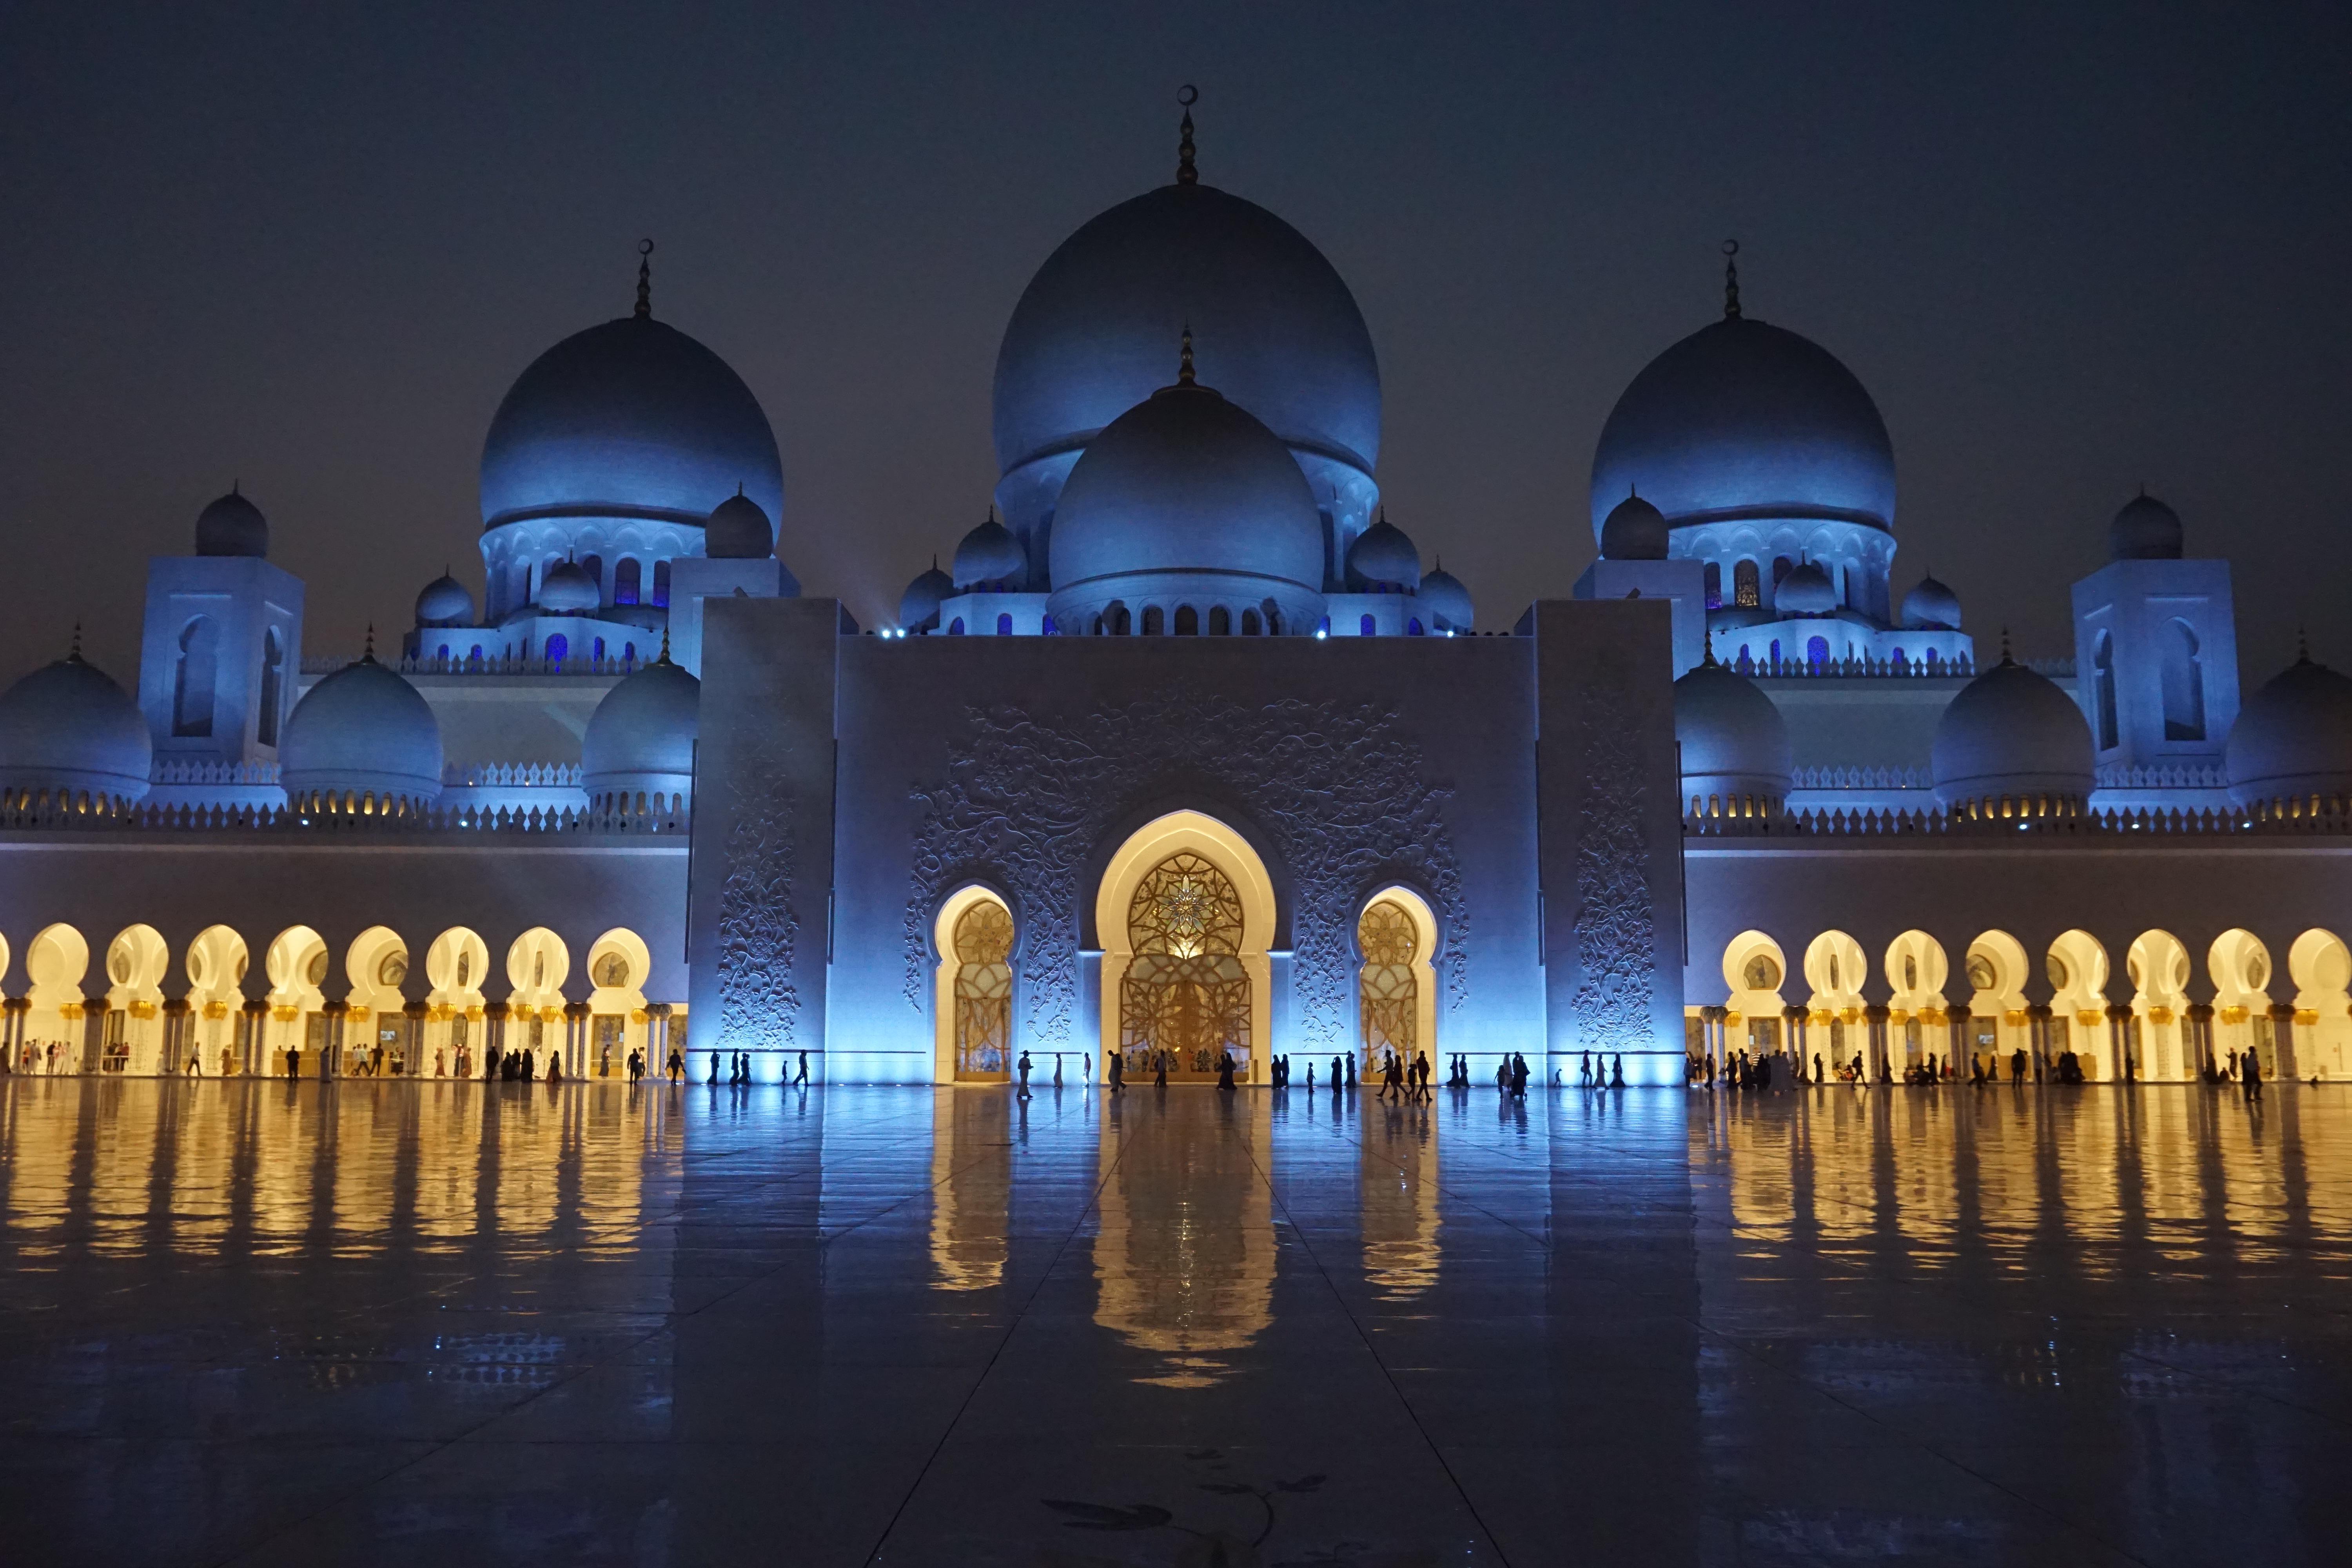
{"x":144,"y":1010}
{"x":2172,"y":1015}
{"x":1187,"y":915}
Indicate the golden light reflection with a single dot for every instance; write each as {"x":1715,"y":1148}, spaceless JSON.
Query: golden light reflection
{"x":1398,"y":1176}
{"x":203,"y":1168}
{"x":2162,"y":1175}
{"x":971,"y":1190}
{"x":1185,"y":1252}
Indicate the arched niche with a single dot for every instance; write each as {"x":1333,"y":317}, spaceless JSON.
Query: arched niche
{"x":537,"y":965}
{"x":132,"y":1039}
{"x":455,"y":967}
{"x":377,"y":1036}
{"x":971,"y":999}
{"x":618,"y":964}
{"x":1144,"y":851}
{"x":1916,"y":970}
{"x":1755,"y":970}
{"x":215,"y":963}
{"x":2321,"y":967}
{"x":300,"y":968}
{"x":2157,"y":966}
{"x":1998,"y":971}
{"x":1835,"y":970}
{"x":55,"y":962}
{"x":2240,"y":968}
{"x":1418,"y":966}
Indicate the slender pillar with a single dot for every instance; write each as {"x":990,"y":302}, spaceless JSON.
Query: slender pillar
{"x":2282,"y":1034}
{"x":575,"y":1039}
{"x":2129,"y":1069}
{"x":1875,"y":1020}
{"x":330,"y":1058}
{"x":413,"y":1034}
{"x":179,"y":1037}
{"x":494,"y":1035}
{"x":2037,"y":1024}
{"x":1956,"y":1040}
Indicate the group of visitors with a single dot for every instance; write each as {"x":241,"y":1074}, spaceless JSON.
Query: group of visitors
{"x":1607,"y":1073}
{"x":1405,"y":1083}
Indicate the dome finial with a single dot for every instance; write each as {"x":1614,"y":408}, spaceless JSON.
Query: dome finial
{"x":1731,"y":280}
{"x":1184,"y":360}
{"x":2302,"y":645}
{"x":664,"y":652}
{"x":73,"y":653}
{"x":1186,"y":174}
{"x":1709,"y":660}
{"x":644,"y":279}
{"x":368,"y":655}
{"x":2005,"y":658}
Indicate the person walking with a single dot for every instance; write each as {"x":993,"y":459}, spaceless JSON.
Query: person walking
{"x":1225,"y":1071}
{"x":1117,"y":1062}
{"x":2250,"y":1074}
{"x":800,"y":1078}
{"x":1024,"y":1075}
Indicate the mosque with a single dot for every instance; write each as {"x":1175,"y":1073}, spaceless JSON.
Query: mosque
{"x":1186,"y":753}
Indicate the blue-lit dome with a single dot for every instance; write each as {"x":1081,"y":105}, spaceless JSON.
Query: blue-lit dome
{"x":1186,"y":493}
{"x":1805,"y":591}
{"x":640,"y":740}
{"x":362,"y":730}
{"x":1931,"y":606}
{"x":2011,"y":734}
{"x":568,"y":590}
{"x":1089,"y":340}
{"x":1733,"y":741}
{"x":232,"y":525}
{"x":445,"y":601}
{"x":2293,"y":739}
{"x":2145,"y":529}
{"x":919,"y":606}
{"x":737,"y":530}
{"x":629,"y":419}
{"x":1447,"y":602}
{"x":1633,"y":530}
{"x":990,"y":554}
{"x":1383,"y":553}
{"x":1746,"y":420}
{"x":68,"y":728}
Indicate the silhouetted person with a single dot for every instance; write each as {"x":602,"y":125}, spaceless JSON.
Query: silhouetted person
{"x":1518,"y":1076}
{"x":1310,"y":1075}
{"x":1351,"y":1060}
{"x":800,"y":1078}
{"x":1160,"y":1069}
{"x":1117,"y":1062}
{"x":1617,"y":1070}
{"x":1024,"y":1075}
{"x":1225,"y":1071}
{"x":555,"y":1069}
{"x":2250,"y":1073}
{"x":1336,"y":1084}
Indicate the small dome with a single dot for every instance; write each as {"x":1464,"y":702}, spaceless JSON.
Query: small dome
{"x":641,"y":736}
{"x":1733,"y":739}
{"x":567,"y":590}
{"x":445,"y":601}
{"x":68,"y":728}
{"x":737,"y":530}
{"x":232,"y":526}
{"x":2293,"y":739}
{"x":632,"y":418}
{"x":1805,"y":591}
{"x":919,"y":606}
{"x":2010,"y":732}
{"x":1742,"y":419}
{"x":990,"y":554}
{"x":2146,"y":529}
{"x":1447,"y":602}
{"x":1633,"y":530}
{"x":1383,"y":553}
{"x":362,"y":730}
{"x":1931,"y":606}
{"x":1186,"y":483}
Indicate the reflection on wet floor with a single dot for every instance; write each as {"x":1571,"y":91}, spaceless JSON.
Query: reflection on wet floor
{"x":387,"y":1322}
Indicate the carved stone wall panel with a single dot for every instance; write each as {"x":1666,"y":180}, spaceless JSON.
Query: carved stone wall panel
{"x":1340,"y":786}
{"x":758,"y":1004}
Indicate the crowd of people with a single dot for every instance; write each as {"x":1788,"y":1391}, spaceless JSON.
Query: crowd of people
{"x":1742,"y":1069}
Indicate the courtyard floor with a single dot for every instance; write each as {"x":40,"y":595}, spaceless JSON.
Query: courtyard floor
{"x":251,"y":1322}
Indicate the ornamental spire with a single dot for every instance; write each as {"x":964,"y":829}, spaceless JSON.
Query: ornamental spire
{"x":645,"y":280}
{"x":1184,"y":360}
{"x":1186,"y":174}
{"x":1731,"y":280}
{"x":73,"y":653}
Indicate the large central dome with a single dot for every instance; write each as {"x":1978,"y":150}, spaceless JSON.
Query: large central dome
{"x":1742,"y":420}
{"x":1089,"y":341}
{"x":629,"y":419}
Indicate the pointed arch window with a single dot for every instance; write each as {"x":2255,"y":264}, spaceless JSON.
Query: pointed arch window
{"x":626,"y":576}
{"x":1388,"y":990}
{"x":2103,"y":674}
{"x":195,"y":674}
{"x":1744,"y":590}
{"x":983,"y":991}
{"x":273,"y":681}
{"x":2184,"y":683}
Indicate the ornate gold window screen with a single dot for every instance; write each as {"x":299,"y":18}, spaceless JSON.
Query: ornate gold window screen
{"x":1388,"y":991}
{"x":983,"y":991}
{"x":1185,"y":994}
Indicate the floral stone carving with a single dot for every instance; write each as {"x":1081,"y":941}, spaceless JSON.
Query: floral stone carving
{"x":1338,"y":785}
{"x":757,"y":925}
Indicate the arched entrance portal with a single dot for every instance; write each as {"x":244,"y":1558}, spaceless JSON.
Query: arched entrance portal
{"x":1186,"y":915}
{"x":1396,"y":999}
{"x":982,"y":941}
{"x":1185,"y":998}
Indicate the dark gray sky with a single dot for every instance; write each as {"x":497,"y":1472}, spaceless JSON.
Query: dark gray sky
{"x":2068,"y":249}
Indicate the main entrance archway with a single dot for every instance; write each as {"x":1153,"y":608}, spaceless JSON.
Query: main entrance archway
{"x":1186,"y":916}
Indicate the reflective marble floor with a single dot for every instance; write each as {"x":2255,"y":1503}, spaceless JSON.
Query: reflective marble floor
{"x":442,"y":1323}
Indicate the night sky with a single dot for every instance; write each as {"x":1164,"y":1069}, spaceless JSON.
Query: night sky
{"x":2069,"y":249}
